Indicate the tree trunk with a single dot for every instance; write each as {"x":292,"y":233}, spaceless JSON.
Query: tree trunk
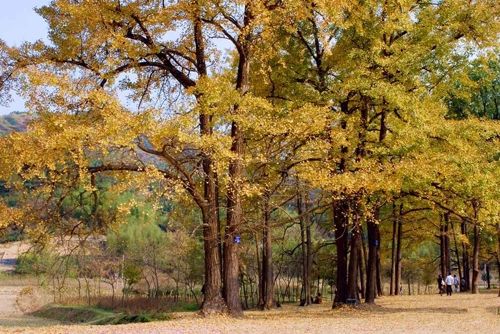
{"x":234,"y":218}
{"x":488,"y":279}
{"x":465,"y":256}
{"x":475,"y":260}
{"x":267,"y":265}
{"x":361,"y":265}
{"x":380,"y":291}
{"x":212,"y":295}
{"x":340,"y":216}
{"x":444,"y":246}
{"x":475,"y":252}
{"x":498,"y":255}
{"x":447,"y":243}
{"x":305,"y":247}
{"x":234,"y":209}
{"x":352,"y":278}
{"x":392,"y":286}
{"x":212,"y":301}
{"x":398,"y":251}
{"x":457,"y":255}
{"x":371,"y":273}
{"x":309,"y":247}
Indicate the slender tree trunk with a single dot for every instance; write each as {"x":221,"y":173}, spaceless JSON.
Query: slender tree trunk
{"x":475,"y":260}
{"x":380,"y":291}
{"x":398,"y":251}
{"x":352,"y":278}
{"x":306,"y":252}
{"x":267,"y":265}
{"x":465,"y":256}
{"x":309,"y":247}
{"x":392,"y":286}
{"x":371,"y":273}
{"x":340,"y":216}
{"x":447,"y":243}
{"x":498,"y":255}
{"x":457,"y":255}
{"x":361,"y":266}
{"x":260,"y":272}
{"x":444,"y":246}
{"x":488,"y":278}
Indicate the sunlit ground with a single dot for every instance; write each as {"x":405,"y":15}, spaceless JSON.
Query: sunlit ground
{"x":460,"y":313}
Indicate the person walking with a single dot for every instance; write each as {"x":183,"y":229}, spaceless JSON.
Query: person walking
{"x":455,"y":282}
{"x":449,"y":284}
{"x":440,"y":284}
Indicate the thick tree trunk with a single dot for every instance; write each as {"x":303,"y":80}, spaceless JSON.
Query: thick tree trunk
{"x":340,"y":216}
{"x":212,"y":301}
{"x":234,"y":208}
{"x":392,"y":286}
{"x":398,"y":251}
{"x":234,"y":218}
{"x":371,"y":273}
{"x":212,"y":287}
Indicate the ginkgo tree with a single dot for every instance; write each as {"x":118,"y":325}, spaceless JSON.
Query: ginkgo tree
{"x":233,"y":102}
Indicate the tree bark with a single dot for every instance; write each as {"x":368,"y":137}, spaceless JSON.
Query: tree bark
{"x":362,"y":265}
{"x":465,"y":256}
{"x":213,"y":301}
{"x":457,"y":254}
{"x":392,"y":286}
{"x":444,"y":246}
{"x":234,"y":218}
{"x":267,"y":265}
{"x":352,"y":278}
{"x":475,"y":260}
{"x":234,"y":208}
{"x":398,"y":251}
{"x":305,"y":235}
{"x":340,"y":216}
{"x":371,"y":273}
{"x":488,"y":278}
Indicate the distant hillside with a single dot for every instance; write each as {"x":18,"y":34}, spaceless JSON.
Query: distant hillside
{"x":15,"y":121}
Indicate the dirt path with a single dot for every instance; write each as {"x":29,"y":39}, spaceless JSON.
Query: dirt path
{"x":11,"y":287}
{"x":9,"y":253}
{"x":462,"y":313}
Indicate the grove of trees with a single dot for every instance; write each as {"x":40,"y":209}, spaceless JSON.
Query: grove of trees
{"x":333,"y":142}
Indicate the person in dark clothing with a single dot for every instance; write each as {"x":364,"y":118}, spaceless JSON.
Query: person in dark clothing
{"x":440,"y":284}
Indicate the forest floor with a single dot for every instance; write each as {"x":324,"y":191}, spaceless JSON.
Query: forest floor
{"x":463,"y":313}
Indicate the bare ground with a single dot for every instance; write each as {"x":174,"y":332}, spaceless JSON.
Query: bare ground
{"x":463,"y":313}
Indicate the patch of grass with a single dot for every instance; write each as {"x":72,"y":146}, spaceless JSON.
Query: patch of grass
{"x":94,"y":315}
{"x":185,"y":307}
